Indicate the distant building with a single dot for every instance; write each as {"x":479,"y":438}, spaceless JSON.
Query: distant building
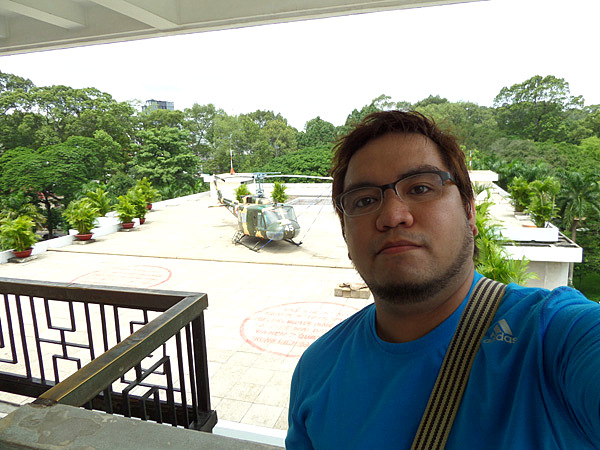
{"x":153,"y":105}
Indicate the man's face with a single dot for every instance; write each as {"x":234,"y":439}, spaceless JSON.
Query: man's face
{"x":407,"y":251}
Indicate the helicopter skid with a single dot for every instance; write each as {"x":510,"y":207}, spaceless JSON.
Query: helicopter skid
{"x":238,"y":238}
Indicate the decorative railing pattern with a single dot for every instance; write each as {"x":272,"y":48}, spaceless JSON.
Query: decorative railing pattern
{"x":112,"y":349}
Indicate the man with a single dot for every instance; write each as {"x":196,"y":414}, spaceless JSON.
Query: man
{"x":405,"y":202}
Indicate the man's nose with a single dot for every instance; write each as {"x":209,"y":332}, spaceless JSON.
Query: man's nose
{"x":394,"y":212}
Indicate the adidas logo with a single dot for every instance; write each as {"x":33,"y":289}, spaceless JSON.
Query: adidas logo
{"x":501,"y":332}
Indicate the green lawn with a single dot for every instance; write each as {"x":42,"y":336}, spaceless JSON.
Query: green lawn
{"x":589,"y":285}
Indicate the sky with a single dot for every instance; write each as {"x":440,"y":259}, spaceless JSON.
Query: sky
{"x":328,"y":67}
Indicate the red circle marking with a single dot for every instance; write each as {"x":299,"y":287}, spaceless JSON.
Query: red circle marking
{"x":139,"y":276}
{"x":287,"y":329}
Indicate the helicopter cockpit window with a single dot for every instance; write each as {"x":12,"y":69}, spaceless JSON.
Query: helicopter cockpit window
{"x":271,"y":217}
{"x":289,"y":213}
{"x":278,"y":214}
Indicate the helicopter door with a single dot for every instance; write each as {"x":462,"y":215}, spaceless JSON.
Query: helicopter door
{"x":260,"y":225}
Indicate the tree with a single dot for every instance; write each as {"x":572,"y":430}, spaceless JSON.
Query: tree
{"x":314,"y":161}
{"x":200,"y":120}
{"x":165,"y":157}
{"x":535,"y":108}
{"x":474,"y":126}
{"x":317,"y":133}
{"x":579,"y":198}
{"x":158,"y":118}
{"x":54,"y":173}
{"x":381,"y":103}
{"x":281,"y":137}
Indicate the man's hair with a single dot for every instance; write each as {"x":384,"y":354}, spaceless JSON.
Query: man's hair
{"x":379,"y":124}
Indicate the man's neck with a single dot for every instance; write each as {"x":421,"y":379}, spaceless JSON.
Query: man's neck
{"x":405,"y":323}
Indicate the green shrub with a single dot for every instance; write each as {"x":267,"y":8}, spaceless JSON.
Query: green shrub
{"x":138,"y":199}
{"x":278,"y":194}
{"x":493,"y":261}
{"x":17,"y":234}
{"x":81,"y":215}
{"x":240,"y":192}
{"x":125,"y":209}
{"x":146,"y":191}
{"x":100,"y":200}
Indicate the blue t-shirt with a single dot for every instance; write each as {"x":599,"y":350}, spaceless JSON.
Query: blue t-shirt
{"x":535,"y":382}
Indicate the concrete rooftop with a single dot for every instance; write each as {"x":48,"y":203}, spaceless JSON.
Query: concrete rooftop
{"x":252,"y":349}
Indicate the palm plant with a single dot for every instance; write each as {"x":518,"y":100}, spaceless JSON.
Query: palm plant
{"x":578,"y":198}
{"x":492,"y":260}
{"x":278,"y":194}
{"x":241,"y":191}
{"x":17,"y":234}
{"x":519,"y":192}
{"x":542,"y":200}
{"x":125,"y":209}
{"x":81,"y":215}
{"x":146,"y":190}
{"x":139,"y":202}
{"x":21,"y":204}
{"x":100,"y":200}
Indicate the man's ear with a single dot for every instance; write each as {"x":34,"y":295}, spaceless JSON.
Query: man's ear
{"x":471,"y":217}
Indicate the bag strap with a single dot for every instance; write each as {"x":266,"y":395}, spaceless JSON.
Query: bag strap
{"x":453,"y":375}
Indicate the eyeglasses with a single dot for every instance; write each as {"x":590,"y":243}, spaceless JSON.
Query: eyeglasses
{"x":417,"y":188}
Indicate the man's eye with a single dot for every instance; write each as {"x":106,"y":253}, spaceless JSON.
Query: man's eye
{"x":420,"y":189}
{"x":363,"y":202}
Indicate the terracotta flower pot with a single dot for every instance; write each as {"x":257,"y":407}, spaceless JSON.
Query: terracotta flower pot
{"x":142,"y":220}
{"x":23,"y":253}
{"x":149,"y":206}
{"x":84,"y":237}
{"x":127,"y":225}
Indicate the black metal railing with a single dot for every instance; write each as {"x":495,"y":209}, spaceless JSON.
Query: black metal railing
{"x":144,"y":351}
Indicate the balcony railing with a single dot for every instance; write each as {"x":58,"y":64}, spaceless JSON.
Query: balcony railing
{"x":144,"y":351}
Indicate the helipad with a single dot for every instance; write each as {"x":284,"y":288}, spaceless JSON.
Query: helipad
{"x":253,"y":346}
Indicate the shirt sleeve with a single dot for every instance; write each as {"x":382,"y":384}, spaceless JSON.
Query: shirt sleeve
{"x":572,"y":358}
{"x":297,"y":435}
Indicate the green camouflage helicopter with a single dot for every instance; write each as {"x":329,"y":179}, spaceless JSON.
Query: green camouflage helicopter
{"x":261,"y":218}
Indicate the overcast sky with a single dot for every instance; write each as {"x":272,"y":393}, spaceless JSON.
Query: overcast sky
{"x":328,"y":67}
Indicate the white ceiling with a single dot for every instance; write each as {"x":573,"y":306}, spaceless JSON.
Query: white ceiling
{"x":32,"y":25}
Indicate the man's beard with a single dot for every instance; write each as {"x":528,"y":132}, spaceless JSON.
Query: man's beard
{"x":411,"y":292}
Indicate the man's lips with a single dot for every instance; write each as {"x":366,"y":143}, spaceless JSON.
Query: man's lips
{"x":398,"y":247}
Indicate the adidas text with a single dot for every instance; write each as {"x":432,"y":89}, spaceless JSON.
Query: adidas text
{"x":501,"y":337}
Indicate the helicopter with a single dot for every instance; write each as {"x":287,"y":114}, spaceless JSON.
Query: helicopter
{"x":259,"y":217}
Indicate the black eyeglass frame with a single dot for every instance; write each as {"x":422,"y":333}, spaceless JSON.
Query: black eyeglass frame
{"x":444,"y":176}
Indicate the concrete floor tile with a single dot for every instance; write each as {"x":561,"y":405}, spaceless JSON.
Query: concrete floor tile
{"x":245,"y":391}
{"x":262,"y":415}
{"x":274,"y":396}
{"x":281,"y":378}
{"x":243,"y":359}
{"x":233,"y":410}
{"x":282,"y":422}
{"x":258,"y":376}
{"x":268,"y":361}
{"x":219,"y":355}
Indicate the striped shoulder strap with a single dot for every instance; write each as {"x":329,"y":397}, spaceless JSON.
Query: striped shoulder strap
{"x":453,"y":376}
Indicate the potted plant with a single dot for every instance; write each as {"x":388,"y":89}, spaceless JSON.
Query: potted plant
{"x":146,"y":191}
{"x":126,"y":211}
{"x":101,"y":200}
{"x":138,"y":200}
{"x":17,"y":235}
{"x":81,"y":215}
